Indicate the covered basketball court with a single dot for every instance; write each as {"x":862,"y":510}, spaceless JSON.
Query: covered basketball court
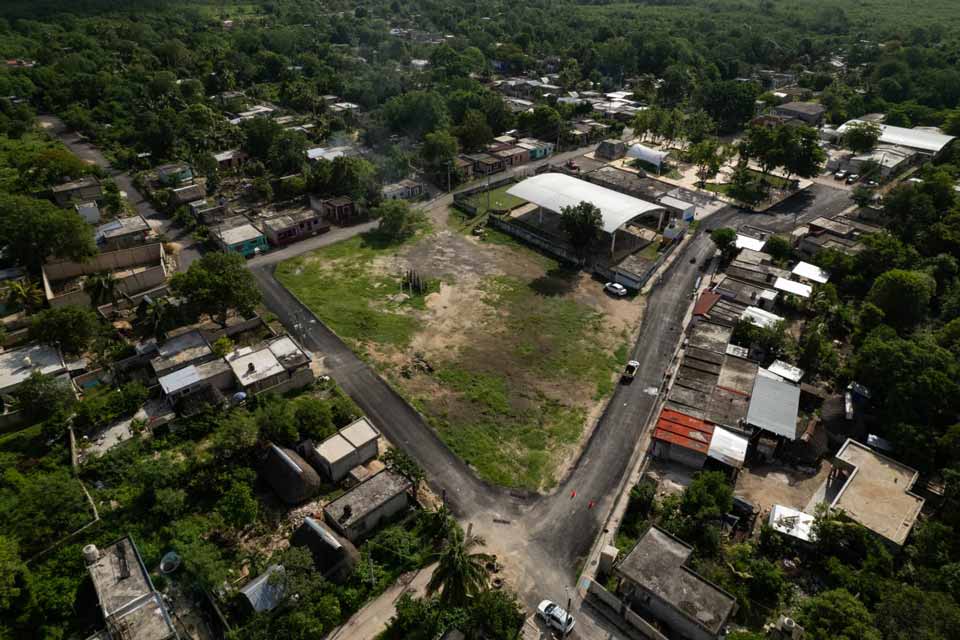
{"x":554,"y":191}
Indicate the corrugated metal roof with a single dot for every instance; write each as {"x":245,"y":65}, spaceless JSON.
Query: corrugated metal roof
{"x":264,"y":594}
{"x":705,"y":303}
{"x":180,"y":379}
{"x":554,"y":191}
{"x":728,"y":447}
{"x":929,"y":141}
{"x":774,"y":405}
{"x":684,"y":430}
{"x":687,"y":443}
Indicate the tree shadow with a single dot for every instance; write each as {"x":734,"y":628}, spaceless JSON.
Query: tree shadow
{"x":556,"y":282}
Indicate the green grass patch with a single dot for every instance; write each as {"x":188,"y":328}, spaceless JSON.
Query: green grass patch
{"x":495,"y":200}
{"x":650,"y":252}
{"x":341,"y":288}
{"x":510,"y":407}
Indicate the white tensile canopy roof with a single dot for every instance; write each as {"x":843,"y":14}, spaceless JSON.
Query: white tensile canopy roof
{"x":554,"y":191}
{"x":647,"y":154}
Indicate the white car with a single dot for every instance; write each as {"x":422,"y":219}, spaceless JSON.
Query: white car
{"x":615,"y":288}
{"x":555,"y":616}
{"x":630,"y":371}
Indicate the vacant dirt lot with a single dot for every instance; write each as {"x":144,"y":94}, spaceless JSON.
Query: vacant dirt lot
{"x":508,"y":355}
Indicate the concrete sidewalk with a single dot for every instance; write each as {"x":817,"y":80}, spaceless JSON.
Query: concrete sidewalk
{"x":372,"y":619}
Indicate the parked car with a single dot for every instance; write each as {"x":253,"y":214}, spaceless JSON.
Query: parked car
{"x":630,"y":371}
{"x":615,"y":288}
{"x":840,"y":175}
{"x":873,"y":184}
{"x":555,"y":617}
{"x":853,"y":177}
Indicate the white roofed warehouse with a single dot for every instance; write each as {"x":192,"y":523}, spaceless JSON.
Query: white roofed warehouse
{"x":550,"y":193}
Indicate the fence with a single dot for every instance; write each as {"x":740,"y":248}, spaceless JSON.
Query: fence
{"x":460,"y":199}
{"x":623,"y":613}
{"x":529,"y":236}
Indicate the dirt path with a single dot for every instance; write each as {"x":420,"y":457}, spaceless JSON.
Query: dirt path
{"x":372,"y":619}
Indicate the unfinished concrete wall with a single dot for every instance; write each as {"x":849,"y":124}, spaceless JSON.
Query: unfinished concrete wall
{"x":633,"y":619}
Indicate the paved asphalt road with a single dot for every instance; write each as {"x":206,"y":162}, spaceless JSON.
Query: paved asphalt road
{"x":560,"y":530}
{"x":189,"y":249}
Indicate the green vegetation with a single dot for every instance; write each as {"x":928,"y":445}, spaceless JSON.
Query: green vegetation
{"x":498,"y":198}
{"x":491,"y":412}
{"x":340,"y":284}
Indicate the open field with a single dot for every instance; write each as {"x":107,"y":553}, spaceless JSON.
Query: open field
{"x":498,"y":199}
{"x":509,"y":355}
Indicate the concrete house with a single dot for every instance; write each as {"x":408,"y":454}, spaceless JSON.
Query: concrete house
{"x":86,"y":189}
{"x":294,"y":226}
{"x":810,"y":113}
{"x":131,"y":606}
{"x":362,"y":509}
{"x":180,"y":351}
{"x":278,"y":365}
{"x":513,"y":156}
{"x":485,"y":164}
{"x":213,"y":377}
{"x":230,"y":160}
{"x":875,"y":491}
{"x":353,"y":445}
{"x":403,"y":190}
{"x":656,"y":581}
{"x":177,"y":173}
{"x":611,"y":150}
{"x":122,"y":233}
{"x":244,"y":239}
{"x":16,"y":365}
{"x":341,"y":210}
{"x":187,"y":194}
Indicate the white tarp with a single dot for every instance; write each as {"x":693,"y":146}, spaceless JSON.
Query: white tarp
{"x":786,"y":371}
{"x":791,"y":522}
{"x":651,"y":156}
{"x":554,"y":191}
{"x":796,"y":288}
{"x":812,"y":272}
{"x":749,"y":242}
{"x":728,"y":447}
{"x":760,"y":317}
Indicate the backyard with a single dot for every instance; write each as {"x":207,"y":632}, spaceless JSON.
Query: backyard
{"x":508,"y":354}
{"x":498,"y":200}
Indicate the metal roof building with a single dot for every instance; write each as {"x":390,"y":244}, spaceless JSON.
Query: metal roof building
{"x":554,"y":191}
{"x":774,"y":406}
{"x":922,"y":140}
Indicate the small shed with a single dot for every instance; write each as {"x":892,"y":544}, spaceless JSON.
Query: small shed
{"x":611,"y":150}
{"x":265,"y":592}
{"x":353,"y":445}
{"x":289,"y":475}
{"x":334,"y":556}
{"x":361,"y":510}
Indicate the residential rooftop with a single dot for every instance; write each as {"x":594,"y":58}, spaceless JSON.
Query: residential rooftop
{"x":16,"y":365}
{"x":356,"y":504}
{"x":126,"y":594}
{"x":774,"y":406}
{"x":184,"y":348}
{"x":657,"y":563}
{"x":877,"y":492}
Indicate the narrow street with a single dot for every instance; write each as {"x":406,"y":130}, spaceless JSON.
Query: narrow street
{"x":189,"y":248}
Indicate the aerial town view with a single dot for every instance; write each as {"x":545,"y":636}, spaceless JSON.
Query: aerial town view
{"x":450,"y":320}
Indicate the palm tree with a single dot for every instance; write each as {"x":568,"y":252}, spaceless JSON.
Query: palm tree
{"x":101,"y":287}
{"x":459,"y":573}
{"x":25,"y":294}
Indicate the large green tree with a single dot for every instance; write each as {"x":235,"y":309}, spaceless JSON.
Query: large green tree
{"x":582,"y":224}
{"x":33,"y":230}
{"x":903,"y":296}
{"x":837,"y":615}
{"x":69,"y":327}
{"x":217,"y":284}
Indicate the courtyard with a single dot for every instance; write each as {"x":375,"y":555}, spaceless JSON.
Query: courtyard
{"x":509,"y":354}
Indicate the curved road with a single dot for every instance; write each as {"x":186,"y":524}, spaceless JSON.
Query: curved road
{"x":545,"y":537}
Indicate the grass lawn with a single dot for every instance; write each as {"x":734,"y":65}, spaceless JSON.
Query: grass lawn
{"x":508,"y":404}
{"x":358,"y":303}
{"x":499,"y":200}
{"x":651,"y":251}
